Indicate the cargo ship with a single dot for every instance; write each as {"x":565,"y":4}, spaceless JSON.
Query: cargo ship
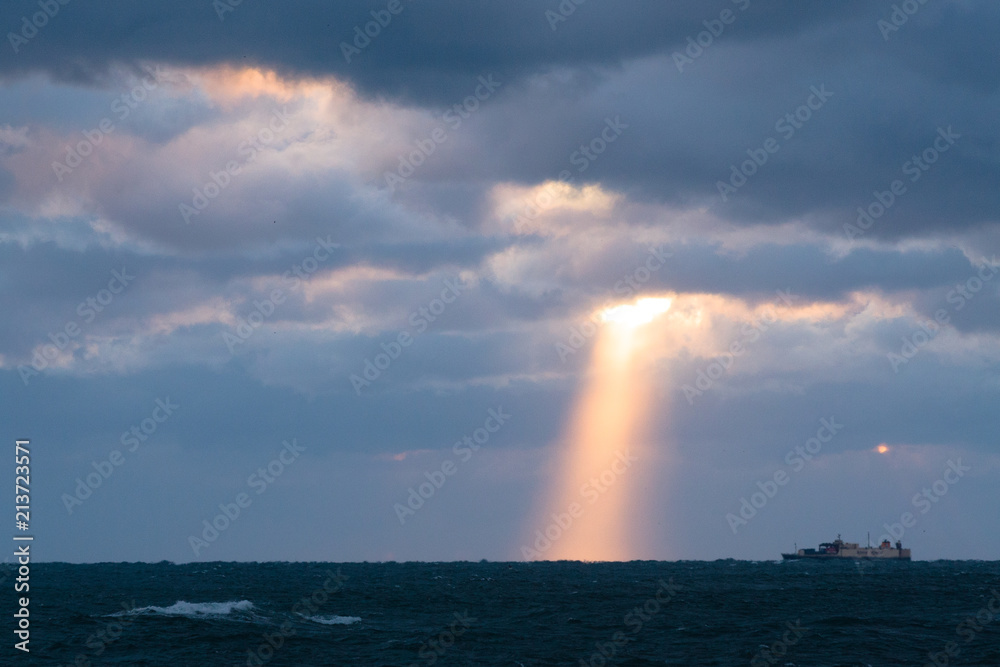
{"x":851,"y":550}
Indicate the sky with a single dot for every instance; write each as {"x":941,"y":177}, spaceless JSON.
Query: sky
{"x":346,"y":281}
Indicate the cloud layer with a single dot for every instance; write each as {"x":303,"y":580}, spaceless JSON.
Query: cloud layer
{"x":368,"y":251}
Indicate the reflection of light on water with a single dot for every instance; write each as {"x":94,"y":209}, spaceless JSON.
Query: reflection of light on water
{"x":606,"y":425}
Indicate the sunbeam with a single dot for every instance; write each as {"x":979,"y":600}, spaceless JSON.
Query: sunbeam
{"x":586,"y":516}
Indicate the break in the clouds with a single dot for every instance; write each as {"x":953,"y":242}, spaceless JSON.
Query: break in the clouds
{"x":362,"y":226}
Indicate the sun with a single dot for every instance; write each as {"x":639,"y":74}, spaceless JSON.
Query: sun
{"x":882,"y":449}
{"x":638,"y":313}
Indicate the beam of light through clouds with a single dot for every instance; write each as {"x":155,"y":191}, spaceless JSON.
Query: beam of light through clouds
{"x":604,"y":446}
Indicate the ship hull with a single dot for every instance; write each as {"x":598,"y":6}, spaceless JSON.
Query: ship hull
{"x":840,"y":557}
{"x":839,"y":549}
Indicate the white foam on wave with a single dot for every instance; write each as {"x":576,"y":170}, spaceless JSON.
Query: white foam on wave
{"x":193,"y":609}
{"x":333,"y":620}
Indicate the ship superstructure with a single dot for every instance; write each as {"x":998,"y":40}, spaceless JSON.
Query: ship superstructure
{"x":840,"y":549}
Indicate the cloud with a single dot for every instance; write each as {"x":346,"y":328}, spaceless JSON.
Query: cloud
{"x":425,"y":52}
{"x":291,"y":217}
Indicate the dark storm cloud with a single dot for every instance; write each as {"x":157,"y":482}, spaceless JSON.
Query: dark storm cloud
{"x":890,"y":97}
{"x":146,"y":112}
{"x":878,"y":120}
{"x":424,"y":52}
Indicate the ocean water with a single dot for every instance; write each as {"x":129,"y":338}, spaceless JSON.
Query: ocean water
{"x":565,"y":613}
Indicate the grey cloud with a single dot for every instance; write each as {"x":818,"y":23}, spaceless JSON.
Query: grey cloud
{"x":426,"y":52}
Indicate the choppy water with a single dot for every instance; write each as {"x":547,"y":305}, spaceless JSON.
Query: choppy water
{"x":639,"y":613}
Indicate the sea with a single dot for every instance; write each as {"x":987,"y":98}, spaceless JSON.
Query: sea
{"x":640,"y":613}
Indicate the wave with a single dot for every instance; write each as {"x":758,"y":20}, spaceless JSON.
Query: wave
{"x":333,"y":620}
{"x":192,"y":609}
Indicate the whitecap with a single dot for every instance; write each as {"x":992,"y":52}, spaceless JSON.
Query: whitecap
{"x":333,"y":619}
{"x":193,"y":609}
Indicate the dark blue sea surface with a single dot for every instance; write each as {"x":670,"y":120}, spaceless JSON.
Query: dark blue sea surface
{"x":565,"y":613}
